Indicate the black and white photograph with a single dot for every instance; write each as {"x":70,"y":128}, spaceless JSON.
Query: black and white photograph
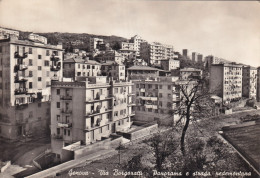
{"x":129,"y":88}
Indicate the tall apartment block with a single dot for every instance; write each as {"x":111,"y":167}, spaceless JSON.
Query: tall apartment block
{"x":185,"y":53}
{"x":26,"y":71}
{"x":226,"y":81}
{"x":200,"y":57}
{"x":137,"y":40}
{"x":249,"y":82}
{"x":194,"y":56}
{"x":93,"y":42}
{"x":154,"y":52}
{"x":155,"y":99}
{"x":77,"y":67}
{"x":89,"y":110}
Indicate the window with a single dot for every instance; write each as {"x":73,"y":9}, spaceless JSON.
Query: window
{"x":88,"y":66}
{"x":47,"y":52}
{"x":46,"y":63}
{"x":100,"y":130}
{"x":58,"y":104}
{"x":0,"y":73}
{"x":58,"y":131}
{"x":116,"y":113}
{"x":30,"y":85}
{"x":58,"y":117}
{"x":39,"y":56}
{"x":30,"y":62}
{"x":93,"y":67}
{"x":169,"y":95}
{"x":160,"y":95}
{"x":64,"y":131}
{"x":68,"y":132}
{"x":0,"y":49}
{"x":30,"y":50}
{"x":58,"y":91}
{"x":30,"y":73}
{"x":39,"y":79}
{"x":39,"y":67}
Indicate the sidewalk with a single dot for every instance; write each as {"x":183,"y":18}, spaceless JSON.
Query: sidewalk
{"x":70,"y":164}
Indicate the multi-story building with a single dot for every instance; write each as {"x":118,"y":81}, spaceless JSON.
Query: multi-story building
{"x":156,"y":99}
{"x":26,"y":72}
{"x":137,"y":40}
{"x":37,"y":38}
{"x":6,"y":33}
{"x":194,"y":56}
{"x":127,"y":46}
{"x":89,"y":110}
{"x":110,"y":56}
{"x":142,"y":72}
{"x":75,"y":67}
{"x":93,"y":42}
{"x":114,"y":70}
{"x":170,"y":64}
{"x":249,"y":82}
{"x":185,"y":53}
{"x":226,"y":81}
{"x":200,"y":57}
{"x":154,"y":52}
{"x":128,"y":55}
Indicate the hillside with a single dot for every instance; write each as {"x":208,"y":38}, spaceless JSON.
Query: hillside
{"x":76,"y":40}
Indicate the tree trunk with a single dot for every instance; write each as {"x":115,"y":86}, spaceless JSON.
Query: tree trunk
{"x":184,"y":131}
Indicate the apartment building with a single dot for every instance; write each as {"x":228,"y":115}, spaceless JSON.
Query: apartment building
{"x":76,"y":66}
{"x":6,"y":33}
{"x":185,"y":53}
{"x":194,"y":56}
{"x":156,"y":99}
{"x":37,"y":38}
{"x":89,"y":110}
{"x":154,"y":52}
{"x":26,"y":72}
{"x":249,"y":82}
{"x":127,"y":46}
{"x":93,"y":42}
{"x":142,"y":72}
{"x":110,"y":56}
{"x":170,"y":64}
{"x":226,"y":81}
{"x":137,"y":40}
{"x":114,"y":70}
{"x":200,"y":57}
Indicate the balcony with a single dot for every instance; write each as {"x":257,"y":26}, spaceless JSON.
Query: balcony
{"x":101,"y":98}
{"x":131,"y":104}
{"x":66,"y":111}
{"x":55,"y":68}
{"x":18,"y":56}
{"x":55,"y":78}
{"x":66,"y":125}
{"x":66,"y":97}
{"x":151,"y":98}
{"x":99,"y":112}
{"x":20,"y":91}
{"x":142,"y":90}
{"x":151,"y":106}
{"x":19,"y":79}
{"x":20,"y":67}
{"x":55,"y":58}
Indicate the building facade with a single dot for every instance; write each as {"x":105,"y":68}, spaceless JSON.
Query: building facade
{"x":249,"y":82}
{"x":6,"y":33}
{"x":142,"y":72}
{"x":170,"y":64}
{"x":26,"y":72}
{"x":114,"y":70}
{"x":93,"y":42}
{"x":137,"y":40}
{"x":154,"y":52}
{"x":156,"y":99}
{"x":88,"y":111}
{"x":226,"y":81}
{"x":76,"y":67}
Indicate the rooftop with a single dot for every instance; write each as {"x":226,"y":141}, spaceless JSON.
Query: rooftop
{"x":143,"y":68}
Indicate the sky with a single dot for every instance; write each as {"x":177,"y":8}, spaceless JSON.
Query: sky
{"x":226,"y":29}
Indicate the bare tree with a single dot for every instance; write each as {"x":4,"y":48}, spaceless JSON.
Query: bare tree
{"x":195,"y":103}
